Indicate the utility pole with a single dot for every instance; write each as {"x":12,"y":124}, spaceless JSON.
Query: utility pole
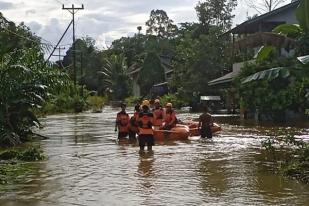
{"x":73,"y":10}
{"x":59,"y":52}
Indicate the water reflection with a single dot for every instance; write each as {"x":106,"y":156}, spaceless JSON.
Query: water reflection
{"x":214,"y":177}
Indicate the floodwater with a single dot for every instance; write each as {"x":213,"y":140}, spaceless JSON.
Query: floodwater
{"x":86,"y":167}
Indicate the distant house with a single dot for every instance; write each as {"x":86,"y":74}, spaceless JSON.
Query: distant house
{"x":134,"y":75}
{"x":263,"y":23}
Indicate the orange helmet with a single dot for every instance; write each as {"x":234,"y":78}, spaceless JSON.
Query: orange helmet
{"x":146,"y":103}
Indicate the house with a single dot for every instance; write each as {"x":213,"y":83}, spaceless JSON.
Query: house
{"x":256,"y":28}
{"x":134,"y":75}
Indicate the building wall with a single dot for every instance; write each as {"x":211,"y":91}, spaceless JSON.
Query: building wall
{"x":287,"y":16}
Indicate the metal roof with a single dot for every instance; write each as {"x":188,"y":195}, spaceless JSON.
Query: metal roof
{"x":262,"y":17}
{"x":224,"y":79}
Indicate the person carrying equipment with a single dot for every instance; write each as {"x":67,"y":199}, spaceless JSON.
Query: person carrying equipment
{"x":133,"y":126}
{"x":205,"y":124}
{"x":122,"y":122}
{"x":158,"y":114}
{"x":170,"y":119}
{"x":145,"y":122}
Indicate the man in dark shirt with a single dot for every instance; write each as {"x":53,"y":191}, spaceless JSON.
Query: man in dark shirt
{"x":205,"y":124}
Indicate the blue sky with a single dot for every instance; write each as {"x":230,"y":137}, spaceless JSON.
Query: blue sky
{"x":103,"y":20}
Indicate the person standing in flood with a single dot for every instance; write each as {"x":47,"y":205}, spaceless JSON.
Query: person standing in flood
{"x":122,"y":122}
{"x":205,"y":124}
{"x":145,"y":123}
{"x":133,"y":127}
{"x":158,"y":114}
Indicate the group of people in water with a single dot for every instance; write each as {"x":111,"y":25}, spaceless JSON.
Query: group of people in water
{"x":144,"y":121}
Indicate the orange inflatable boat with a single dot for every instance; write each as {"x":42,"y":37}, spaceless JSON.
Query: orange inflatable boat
{"x":193,"y":127}
{"x":180,"y":132}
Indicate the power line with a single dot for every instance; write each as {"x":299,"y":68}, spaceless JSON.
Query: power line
{"x":73,"y":11}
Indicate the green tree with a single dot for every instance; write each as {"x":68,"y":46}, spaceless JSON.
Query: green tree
{"x":88,"y":60}
{"x":216,"y":12}
{"x":152,"y":72}
{"x":159,"y":24}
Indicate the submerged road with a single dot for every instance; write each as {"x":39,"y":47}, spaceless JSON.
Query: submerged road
{"x":86,"y":166}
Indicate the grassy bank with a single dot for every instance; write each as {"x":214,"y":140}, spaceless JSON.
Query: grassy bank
{"x":14,"y":162}
{"x":290,"y":155}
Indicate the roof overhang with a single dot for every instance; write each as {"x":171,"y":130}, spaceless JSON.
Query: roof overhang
{"x":224,"y":79}
{"x":242,"y":28}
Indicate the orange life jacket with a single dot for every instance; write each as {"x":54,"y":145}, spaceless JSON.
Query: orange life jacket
{"x":170,"y":118}
{"x":133,"y":122}
{"x":123,"y":122}
{"x":145,"y":122}
{"x":158,"y":115}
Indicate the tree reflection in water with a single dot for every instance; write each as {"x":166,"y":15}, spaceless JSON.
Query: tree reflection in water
{"x":214,"y":177}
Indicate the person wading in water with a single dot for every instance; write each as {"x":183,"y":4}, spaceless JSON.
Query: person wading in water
{"x":133,"y":128}
{"x":205,"y":124}
{"x":145,"y":123}
{"x":122,"y":122}
{"x":158,"y":115}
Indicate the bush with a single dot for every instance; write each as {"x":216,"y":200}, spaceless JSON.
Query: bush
{"x":292,"y":153}
{"x":96,"y":102}
{"x":172,"y":98}
{"x":132,"y":100}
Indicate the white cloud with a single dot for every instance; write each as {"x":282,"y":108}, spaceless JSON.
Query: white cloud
{"x":103,"y":20}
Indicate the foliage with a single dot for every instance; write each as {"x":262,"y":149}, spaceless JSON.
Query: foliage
{"x":295,"y":161}
{"x":115,"y":77}
{"x":290,"y":30}
{"x":25,"y":83}
{"x":196,"y":62}
{"x":302,"y":15}
{"x":67,"y":99}
{"x":13,"y":166}
{"x":159,"y":24}
{"x":264,"y":53}
{"x":132,"y":100}
{"x":269,"y":74}
{"x":96,"y":102}
{"x":172,"y":98}
{"x":152,"y":72}
{"x":88,"y":62}
{"x":216,"y":12}
{"x":274,"y":93}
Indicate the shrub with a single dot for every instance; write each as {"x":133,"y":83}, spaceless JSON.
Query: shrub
{"x":172,"y":98}
{"x":132,"y":100}
{"x":96,"y":102}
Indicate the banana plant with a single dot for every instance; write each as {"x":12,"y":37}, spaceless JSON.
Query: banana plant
{"x":288,"y":31}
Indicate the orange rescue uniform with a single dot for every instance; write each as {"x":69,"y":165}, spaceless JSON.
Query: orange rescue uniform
{"x":145,"y":122}
{"x":158,"y":116}
{"x":122,"y":122}
{"x":170,"y":118}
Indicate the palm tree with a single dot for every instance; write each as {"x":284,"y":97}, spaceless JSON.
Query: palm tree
{"x":115,"y":77}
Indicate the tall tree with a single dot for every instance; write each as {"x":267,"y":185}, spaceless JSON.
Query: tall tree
{"x":216,"y":13}
{"x":152,"y":72}
{"x":160,"y":24}
{"x":263,"y":6}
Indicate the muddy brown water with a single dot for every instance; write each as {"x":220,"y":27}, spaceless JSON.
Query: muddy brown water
{"x":86,"y":166}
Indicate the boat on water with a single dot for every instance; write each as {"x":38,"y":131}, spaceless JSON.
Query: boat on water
{"x":193,"y":128}
{"x":180,"y":132}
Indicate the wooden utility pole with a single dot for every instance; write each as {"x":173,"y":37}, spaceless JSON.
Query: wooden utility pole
{"x":73,"y":10}
{"x":59,"y":52}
